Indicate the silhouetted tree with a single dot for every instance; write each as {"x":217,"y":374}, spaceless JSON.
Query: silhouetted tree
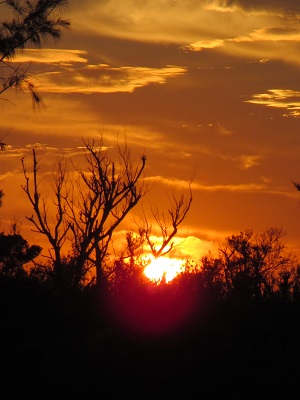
{"x":67,"y":281}
{"x":211,"y":277}
{"x":15,"y":252}
{"x":167,"y":224}
{"x":89,"y":210}
{"x":128,"y":264}
{"x":33,"y":22}
{"x":40,"y":219}
{"x":289,"y":285}
{"x":251,"y":263}
{"x":106,"y":194}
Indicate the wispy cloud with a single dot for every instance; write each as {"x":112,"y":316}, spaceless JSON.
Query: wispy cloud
{"x":204,"y":24}
{"x":103,"y":78}
{"x":204,"y":44}
{"x":249,"y":161}
{"x":238,"y":188}
{"x":222,"y":130}
{"x":8,"y":175}
{"x":179,"y":184}
{"x":287,"y":6}
{"x":272,"y":34}
{"x":289,"y":100}
{"x":57,"y":56}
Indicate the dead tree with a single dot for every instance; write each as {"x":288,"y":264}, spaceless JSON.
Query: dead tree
{"x":89,"y":210}
{"x":106,"y":193}
{"x":56,"y":232}
{"x":167,"y":225}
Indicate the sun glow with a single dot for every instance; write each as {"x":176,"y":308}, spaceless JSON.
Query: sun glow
{"x":163,"y":268}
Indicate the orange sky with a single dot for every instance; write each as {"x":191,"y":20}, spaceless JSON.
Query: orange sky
{"x":205,"y":87}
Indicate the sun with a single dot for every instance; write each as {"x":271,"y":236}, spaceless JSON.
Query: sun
{"x":163,"y":267}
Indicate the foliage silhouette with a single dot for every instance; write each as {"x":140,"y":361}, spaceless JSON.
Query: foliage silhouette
{"x":15,"y":252}
{"x":32,"y":24}
{"x":251,"y":263}
{"x":229,"y":345}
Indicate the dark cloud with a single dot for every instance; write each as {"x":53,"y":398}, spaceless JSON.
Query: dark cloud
{"x":286,"y":6}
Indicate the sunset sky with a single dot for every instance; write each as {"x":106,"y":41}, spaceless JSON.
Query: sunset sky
{"x":209,"y":90}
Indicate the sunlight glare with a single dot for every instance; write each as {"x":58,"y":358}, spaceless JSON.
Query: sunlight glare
{"x":163,"y":267}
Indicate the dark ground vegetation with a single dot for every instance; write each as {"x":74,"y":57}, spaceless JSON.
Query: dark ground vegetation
{"x":188,"y":338}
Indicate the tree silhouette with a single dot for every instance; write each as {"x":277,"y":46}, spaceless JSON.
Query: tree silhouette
{"x":89,"y":210}
{"x":167,"y":224}
{"x":57,"y":235}
{"x":33,"y":23}
{"x":15,"y":252}
{"x":251,"y":263}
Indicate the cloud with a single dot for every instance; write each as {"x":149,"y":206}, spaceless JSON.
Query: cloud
{"x":289,"y":100}
{"x":229,"y":188}
{"x":185,"y":247}
{"x":223,"y":131}
{"x":259,"y":5}
{"x":179,"y":184}
{"x":204,"y":44}
{"x":8,"y":175}
{"x":46,"y":56}
{"x":161,"y":21}
{"x":44,"y":148}
{"x":193,"y":248}
{"x":249,"y":161}
{"x":272,"y":34}
{"x":40,"y":146}
{"x":175,"y":183}
{"x":103,"y":78}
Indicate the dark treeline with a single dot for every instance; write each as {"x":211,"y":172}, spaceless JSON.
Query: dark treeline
{"x":227,"y":326}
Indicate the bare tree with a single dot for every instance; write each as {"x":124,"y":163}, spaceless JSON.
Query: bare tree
{"x":167,"y":224}
{"x":56,"y":233}
{"x":90,"y":209}
{"x":106,"y":194}
{"x":33,"y":23}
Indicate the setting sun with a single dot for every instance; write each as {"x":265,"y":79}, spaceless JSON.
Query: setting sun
{"x":163,"y":267}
